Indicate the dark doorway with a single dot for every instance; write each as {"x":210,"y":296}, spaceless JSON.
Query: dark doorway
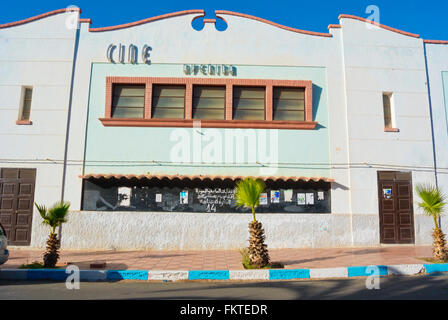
{"x":395,"y":207}
{"x":16,"y":204}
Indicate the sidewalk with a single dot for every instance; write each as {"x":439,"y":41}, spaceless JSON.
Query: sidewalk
{"x":228,"y":259}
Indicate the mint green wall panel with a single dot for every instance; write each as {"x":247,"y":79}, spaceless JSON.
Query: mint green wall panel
{"x":134,"y":150}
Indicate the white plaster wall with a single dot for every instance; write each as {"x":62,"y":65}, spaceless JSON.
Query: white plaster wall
{"x":148,"y":230}
{"x":376,"y":61}
{"x":197,"y":231}
{"x":37,"y":54}
{"x":437,"y":57}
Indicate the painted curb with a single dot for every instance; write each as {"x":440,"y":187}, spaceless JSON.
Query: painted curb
{"x":127,"y":274}
{"x":249,"y":274}
{"x":365,"y":271}
{"x":265,"y":274}
{"x":208,"y":275}
{"x":47,"y":274}
{"x":436,"y":267}
{"x":93,"y":275}
{"x":288,"y":274}
{"x":405,"y":269}
{"x":168,"y":275}
{"x":13,"y":274}
{"x":323,"y":273}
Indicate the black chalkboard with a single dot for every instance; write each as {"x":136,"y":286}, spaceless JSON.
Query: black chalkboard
{"x":217,"y":198}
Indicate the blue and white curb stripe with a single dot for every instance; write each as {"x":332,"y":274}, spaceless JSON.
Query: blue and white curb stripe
{"x":325,"y":273}
{"x":13,"y":274}
{"x":47,"y":274}
{"x":436,"y":267}
{"x":405,"y":269}
{"x":208,"y":275}
{"x":127,"y":274}
{"x":367,"y":271}
{"x":288,"y":274}
{"x":256,"y":274}
{"x":167,"y":275}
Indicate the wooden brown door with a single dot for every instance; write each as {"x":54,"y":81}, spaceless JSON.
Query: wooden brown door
{"x":395,"y":207}
{"x":16,"y":204}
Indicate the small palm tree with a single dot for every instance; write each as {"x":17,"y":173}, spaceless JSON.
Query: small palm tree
{"x":433,"y":204}
{"x":53,"y":217}
{"x":248,"y":195}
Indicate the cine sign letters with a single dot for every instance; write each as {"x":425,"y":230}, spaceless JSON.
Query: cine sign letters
{"x":128,"y":56}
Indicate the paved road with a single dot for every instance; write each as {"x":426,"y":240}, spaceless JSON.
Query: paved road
{"x":415,"y":287}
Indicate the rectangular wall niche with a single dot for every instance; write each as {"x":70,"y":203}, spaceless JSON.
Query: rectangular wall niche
{"x":208,"y":196}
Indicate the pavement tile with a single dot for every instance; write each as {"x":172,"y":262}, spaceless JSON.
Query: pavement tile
{"x":229,"y":259}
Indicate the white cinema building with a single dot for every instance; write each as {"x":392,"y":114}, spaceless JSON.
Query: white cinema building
{"x":341,"y":126}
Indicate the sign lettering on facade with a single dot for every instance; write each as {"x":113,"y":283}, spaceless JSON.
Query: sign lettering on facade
{"x":210,"y":69}
{"x":122,"y":54}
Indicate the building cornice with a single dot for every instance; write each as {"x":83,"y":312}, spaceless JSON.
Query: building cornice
{"x":435,"y":41}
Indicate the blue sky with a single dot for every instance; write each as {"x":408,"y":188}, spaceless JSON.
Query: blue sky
{"x":427,"y":18}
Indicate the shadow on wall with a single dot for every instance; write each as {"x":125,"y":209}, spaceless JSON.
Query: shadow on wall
{"x":317,"y":92}
{"x":335,"y":185}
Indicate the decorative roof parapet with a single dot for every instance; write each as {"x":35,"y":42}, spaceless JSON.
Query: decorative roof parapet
{"x":152,"y":19}
{"x":348,"y":16}
{"x":312,"y":33}
{"x":211,"y":20}
{"x":38,"y":17}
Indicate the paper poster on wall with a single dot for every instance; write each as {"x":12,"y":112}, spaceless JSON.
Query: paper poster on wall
{"x":310,"y":198}
{"x":263,"y":199}
{"x":387,"y":193}
{"x":320,"y":195}
{"x":301,"y":199}
{"x":124,"y":197}
{"x":158,"y":197}
{"x":275,"y":196}
{"x":184,"y":197}
{"x":287,"y":194}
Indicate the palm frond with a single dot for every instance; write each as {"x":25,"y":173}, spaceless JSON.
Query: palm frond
{"x":433,"y":200}
{"x":59,"y":210}
{"x":54,"y":216}
{"x":42,"y":210}
{"x":248,"y":192}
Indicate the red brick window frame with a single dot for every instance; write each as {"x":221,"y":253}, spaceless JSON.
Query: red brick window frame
{"x":229,"y":122}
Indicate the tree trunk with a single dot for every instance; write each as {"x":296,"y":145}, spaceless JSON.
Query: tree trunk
{"x":258,"y":252}
{"x":51,"y":255}
{"x":439,"y":245}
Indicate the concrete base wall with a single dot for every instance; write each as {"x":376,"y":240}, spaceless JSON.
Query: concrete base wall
{"x":196,"y":231}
